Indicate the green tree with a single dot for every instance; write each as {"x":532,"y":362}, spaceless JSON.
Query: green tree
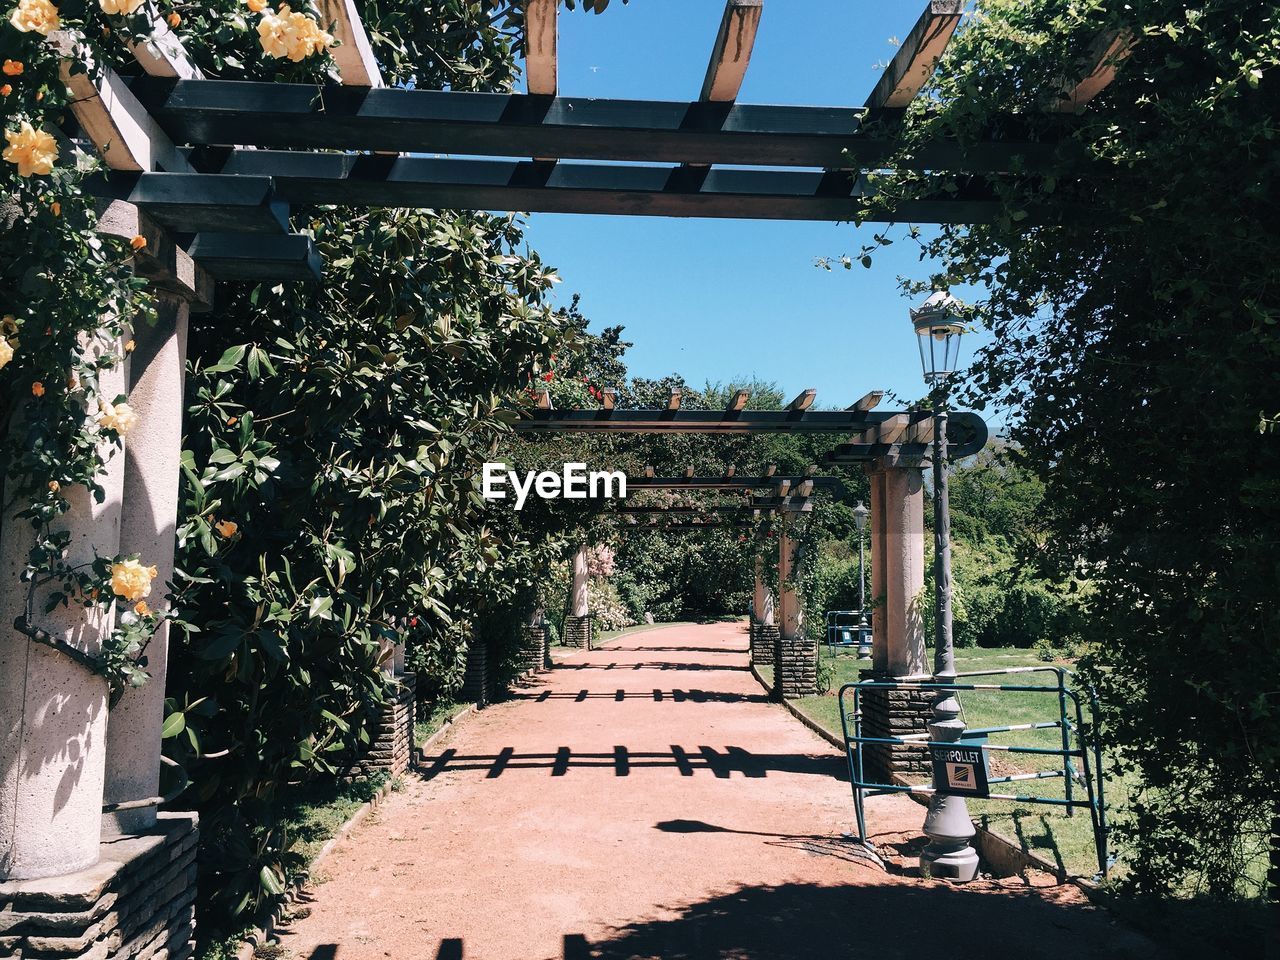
{"x":1133,"y":294}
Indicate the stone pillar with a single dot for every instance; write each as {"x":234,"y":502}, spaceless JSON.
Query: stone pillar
{"x":53,"y":710}
{"x":147,"y":528}
{"x":764,"y":633}
{"x":577,"y":625}
{"x":795,"y":655}
{"x":897,"y":639}
{"x":475,"y":682}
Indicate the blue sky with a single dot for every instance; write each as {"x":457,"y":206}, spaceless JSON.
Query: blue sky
{"x":722,"y":300}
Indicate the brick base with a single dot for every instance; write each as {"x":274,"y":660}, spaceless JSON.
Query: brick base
{"x":392,"y":748}
{"x":476,"y":687}
{"x":795,"y":667}
{"x":764,"y":637}
{"x":135,"y":903}
{"x":892,"y":713}
{"x":534,"y":654}
{"x":577,"y":632}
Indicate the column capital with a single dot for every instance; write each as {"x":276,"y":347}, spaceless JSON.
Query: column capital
{"x":169,"y":268}
{"x":894,"y":461}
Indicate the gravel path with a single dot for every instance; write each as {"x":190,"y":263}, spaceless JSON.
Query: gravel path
{"x":644,"y":800}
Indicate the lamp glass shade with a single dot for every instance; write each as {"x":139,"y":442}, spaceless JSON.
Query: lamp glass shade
{"x":860,"y":514}
{"x":938,"y":332}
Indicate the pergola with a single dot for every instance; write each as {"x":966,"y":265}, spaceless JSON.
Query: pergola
{"x":206,"y":171}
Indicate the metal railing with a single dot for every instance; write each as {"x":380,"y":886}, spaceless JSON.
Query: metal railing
{"x":1070,"y":720}
{"x":844,"y":628}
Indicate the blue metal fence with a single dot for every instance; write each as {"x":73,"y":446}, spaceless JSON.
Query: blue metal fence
{"x":1081,"y":761}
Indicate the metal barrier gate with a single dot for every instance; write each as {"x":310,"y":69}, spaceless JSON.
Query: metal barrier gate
{"x":1070,"y":720}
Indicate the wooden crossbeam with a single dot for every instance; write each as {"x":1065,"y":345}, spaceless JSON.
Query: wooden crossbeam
{"x":804,"y":401}
{"x":811,"y":470}
{"x":730,"y":484}
{"x":673,"y":401}
{"x":544,"y":400}
{"x":200,"y":203}
{"x":350,"y":180}
{"x":294,"y":116}
{"x":648,"y":471}
{"x":1101,"y":60}
{"x":804,"y":488}
{"x":162,"y":54}
{"x":255,"y":256}
{"x":891,"y":430}
{"x":688,"y":472}
{"x":113,"y":119}
{"x":784,"y":503}
{"x":608,"y":396}
{"x":540,"y":67}
{"x":784,"y":486}
{"x":914,"y":63}
{"x":738,"y":402}
{"x":770,"y":470}
{"x":732,"y":51}
{"x":354,"y":54}
{"x":868,"y":401}
{"x":730,"y":470}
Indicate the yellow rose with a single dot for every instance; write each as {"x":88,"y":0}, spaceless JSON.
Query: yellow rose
{"x":257,"y":6}
{"x":131,"y":580}
{"x":226,"y":528}
{"x":292,"y":35}
{"x":6,"y":352}
{"x":32,"y":150}
{"x":117,"y":416}
{"x":121,"y":7}
{"x":35,"y":16}
{"x":141,"y":608}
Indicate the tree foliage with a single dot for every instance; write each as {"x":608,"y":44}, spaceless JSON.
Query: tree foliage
{"x":1132,"y":294}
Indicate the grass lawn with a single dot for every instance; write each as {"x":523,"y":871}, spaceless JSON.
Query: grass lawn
{"x":440,"y":713}
{"x":1041,"y":828}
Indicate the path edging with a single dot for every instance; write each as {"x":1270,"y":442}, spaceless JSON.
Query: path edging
{"x":259,"y":936}
{"x":998,"y":850}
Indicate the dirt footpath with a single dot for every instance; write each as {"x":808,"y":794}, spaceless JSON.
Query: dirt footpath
{"x":644,"y":800}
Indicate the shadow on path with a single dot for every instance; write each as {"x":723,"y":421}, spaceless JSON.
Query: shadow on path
{"x":734,"y":760}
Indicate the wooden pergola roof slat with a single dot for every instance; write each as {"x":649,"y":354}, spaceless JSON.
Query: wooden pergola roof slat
{"x":1101,"y":60}
{"x":354,"y":54}
{"x":541,"y":68}
{"x":731,"y":53}
{"x":914,"y":63}
{"x":200,"y":203}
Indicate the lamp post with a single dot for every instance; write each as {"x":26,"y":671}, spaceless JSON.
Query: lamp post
{"x":947,"y":824}
{"x":860,"y":514}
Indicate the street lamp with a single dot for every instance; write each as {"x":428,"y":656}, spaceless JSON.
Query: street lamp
{"x":947,"y":824}
{"x":860,"y":514}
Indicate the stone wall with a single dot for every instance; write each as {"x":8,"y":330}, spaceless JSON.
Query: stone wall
{"x":893,"y":713}
{"x":136,"y":903}
{"x":577,"y":632}
{"x":392,"y":748}
{"x":795,"y":667}
{"x":764,"y":638}
{"x":534,"y":652}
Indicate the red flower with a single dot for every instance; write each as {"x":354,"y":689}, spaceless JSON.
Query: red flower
{"x":548,"y":376}
{"x":413,"y":622}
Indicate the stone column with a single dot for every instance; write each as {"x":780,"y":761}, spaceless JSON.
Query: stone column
{"x":897,"y":639}
{"x":796,"y":656}
{"x":147,"y":528}
{"x":577,"y":625}
{"x":53,"y":710}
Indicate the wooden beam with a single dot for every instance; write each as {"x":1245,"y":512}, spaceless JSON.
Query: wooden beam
{"x":714,"y":421}
{"x":868,"y":401}
{"x":730,"y":470}
{"x":784,"y":486}
{"x":256,"y":256}
{"x":891,"y":430}
{"x":544,"y":400}
{"x":914,"y":63}
{"x":162,"y":54}
{"x":113,"y":119}
{"x":212,"y":203}
{"x":648,"y":471}
{"x":732,"y":51}
{"x":688,"y":472}
{"x":811,"y":470}
{"x":770,"y":470}
{"x":354,"y":180}
{"x":608,"y":397}
{"x":540,"y":67}
{"x":673,"y":401}
{"x":804,"y":488}
{"x":738,"y":402}
{"x":357,"y":65}
{"x":392,"y":119}
{"x":804,"y":401}
{"x":1100,"y":61}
